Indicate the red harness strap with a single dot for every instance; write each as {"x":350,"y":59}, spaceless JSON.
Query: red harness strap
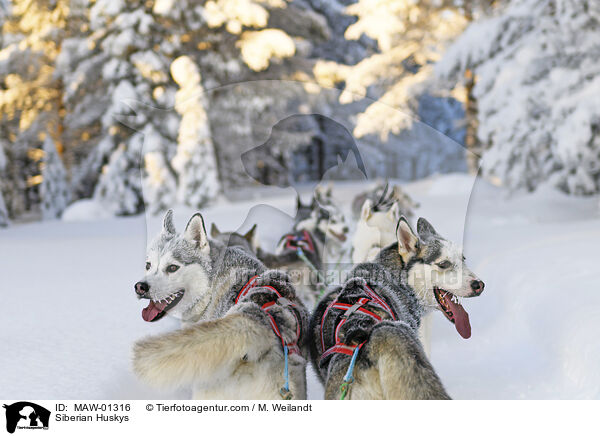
{"x":339,"y":347}
{"x":292,"y":347}
{"x":305,"y":242}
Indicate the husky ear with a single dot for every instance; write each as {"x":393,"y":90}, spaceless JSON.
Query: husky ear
{"x":425,"y":230}
{"x":214,"y":231}
{"x":408,"y":242}
{"x":195,"y":232}
{"x":168,"y":226}
{"x":249,"y":236}
{"x":365,"y":212}
{"x":394,"y":212}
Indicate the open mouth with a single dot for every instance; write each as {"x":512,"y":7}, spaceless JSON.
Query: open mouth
{"x":454,"y":311}
{"x":340,"y":236}
{"x":157,"y":309}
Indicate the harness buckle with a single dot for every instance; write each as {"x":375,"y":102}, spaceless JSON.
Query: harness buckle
{"x":360,"y":303}
{"x":282,"y":301}
{"x":285,"y":394}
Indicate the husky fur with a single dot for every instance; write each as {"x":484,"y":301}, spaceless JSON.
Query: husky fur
{"x":411,"y":276}
{"x":225,"y":350}
{"x":247,"y":241}
{"x":328,"y":224}
{"x":383,"y":198}
{"x":327,"y":228}
{"x":375,"y":231}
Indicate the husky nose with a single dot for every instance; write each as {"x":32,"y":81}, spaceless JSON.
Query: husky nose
{"x":141,"y":288}
{"x":477,"y":286}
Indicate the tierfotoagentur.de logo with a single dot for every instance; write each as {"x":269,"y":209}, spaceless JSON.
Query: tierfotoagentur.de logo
{"x":26,"y":415}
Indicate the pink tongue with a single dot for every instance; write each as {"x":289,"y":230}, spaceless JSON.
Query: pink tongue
{"x":152,"y":311}
{"x":461,"y":318}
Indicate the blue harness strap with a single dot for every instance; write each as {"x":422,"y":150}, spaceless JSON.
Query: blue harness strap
{"x":349,"y":377}
{"x":348,"y":310}
{"x":285,"y":390}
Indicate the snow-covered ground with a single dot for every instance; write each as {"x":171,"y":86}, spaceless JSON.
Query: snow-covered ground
{"x":70,"y":315}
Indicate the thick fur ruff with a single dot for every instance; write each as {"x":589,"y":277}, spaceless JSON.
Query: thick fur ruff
{"x":392,"y":363}
{"x":303,"y":278}
{"x":236,"y":355}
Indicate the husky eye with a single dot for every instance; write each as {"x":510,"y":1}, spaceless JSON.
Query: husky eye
{"x":148,"y":266}
{"x":445,"y":264}
{"x":172,"y":268}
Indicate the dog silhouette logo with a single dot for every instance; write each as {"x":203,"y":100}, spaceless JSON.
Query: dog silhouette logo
{"x":26,"y":415}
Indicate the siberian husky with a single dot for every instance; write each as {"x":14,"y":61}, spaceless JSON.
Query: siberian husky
{"x":240,"y":320}
{"x":382,"y":199}
{"x":248,"y":241}
{"x":374,"y":231}
{"x":375,"y":315}
{"x":328,"y":224}
{"x":318,"y":229}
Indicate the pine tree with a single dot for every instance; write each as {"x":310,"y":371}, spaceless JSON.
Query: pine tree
{"x":4,"y":219}
{"x":120,"y":85}
{"x":30,"y":93}
{"x":410,"y":36}
{"x":194,"y":162}
{"x":119,"y":189}
{"x":537,"y":85}
{"x":118,"y":76}
{"x":159,"y":179}
{"x":54,"y":189}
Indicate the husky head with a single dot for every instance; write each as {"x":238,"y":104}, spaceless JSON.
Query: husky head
{"x":178,"y":268}
{"x":303,"y":211}
{"x":374,"y":230}
{"x":247,"y":242}
{"x":326,"y":221}
{"x":437,"y":272}
{"x":323,"y":195}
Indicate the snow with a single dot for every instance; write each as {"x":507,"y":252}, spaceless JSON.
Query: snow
{"x":71,"y":317}
{"x":258,"y":48}
{"x":537,"y":92}
{"x":85,"y":210}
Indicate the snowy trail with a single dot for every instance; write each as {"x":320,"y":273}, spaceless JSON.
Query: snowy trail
{"x":70,"y":316}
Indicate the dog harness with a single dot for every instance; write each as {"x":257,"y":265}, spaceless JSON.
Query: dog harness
{"x":284,"y":302}
{"x":303,"y":241}
{"x":300,"y":243}
{"x":346,"y":311}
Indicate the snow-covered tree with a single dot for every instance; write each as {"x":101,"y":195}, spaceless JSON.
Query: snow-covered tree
{"x":119,"y":83}
{"x":32,"y":32}
{"x":159,"y":178}
{"x":4,"y":219}
{"x":119,"y":188}
{"x":194,"y":162}
{"x":54,"y":189}
{"x":117,"y":76}
{"x":538,"y":90}
{"x":410,"y":36}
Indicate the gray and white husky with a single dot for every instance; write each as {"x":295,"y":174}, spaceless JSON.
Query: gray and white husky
{"x":240,"y":320}
{"x":247,"y":241}
{"x":375,"y":316}
{"x":319,"y":229}
{"x":383,"y":197}
{"x":328,"y":224}
{"x":374,"y":231}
